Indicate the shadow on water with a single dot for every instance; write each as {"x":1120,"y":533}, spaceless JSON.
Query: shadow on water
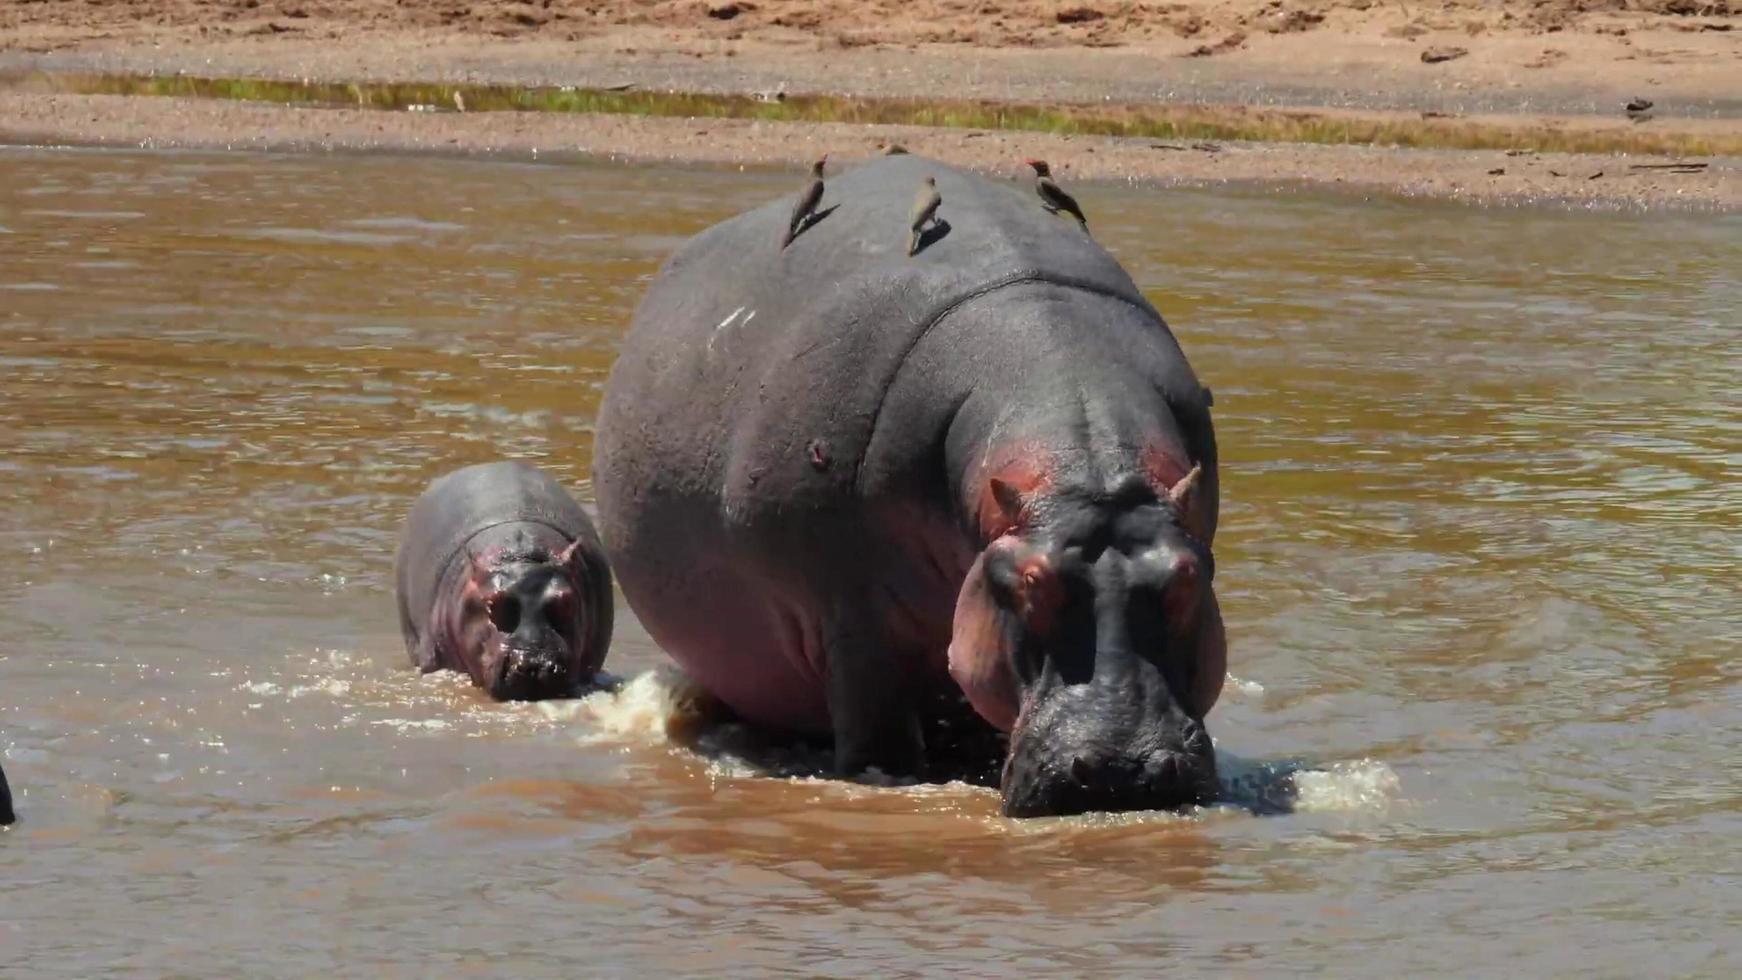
{"x":1262,"y":788}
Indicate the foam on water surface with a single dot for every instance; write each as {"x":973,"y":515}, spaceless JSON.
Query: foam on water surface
{"x":663,"y":707}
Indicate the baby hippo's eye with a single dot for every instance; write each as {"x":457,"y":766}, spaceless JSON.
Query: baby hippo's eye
{"x":504,"y":610}
{"x":559,"y":608}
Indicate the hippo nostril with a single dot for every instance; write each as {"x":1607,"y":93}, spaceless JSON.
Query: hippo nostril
{"x":533,"y":667}
{"x":1165,"y":770}
{"x":1081,"y":771}
{"x":1197,"y":739}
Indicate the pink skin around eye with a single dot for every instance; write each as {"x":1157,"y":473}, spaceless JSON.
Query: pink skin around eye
{"x":1041,"y":595}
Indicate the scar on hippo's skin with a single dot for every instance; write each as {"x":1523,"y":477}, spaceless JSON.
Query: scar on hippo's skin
{"x":727,"y":322}
{"x":818,"y":451}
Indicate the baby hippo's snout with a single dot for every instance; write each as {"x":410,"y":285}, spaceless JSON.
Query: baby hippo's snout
{"x":534,"y":675}
{"x":538,"y":659}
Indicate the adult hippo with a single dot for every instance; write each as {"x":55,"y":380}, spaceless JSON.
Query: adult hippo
{"x":6,"y":814}
{"x":836,"y":480}
{"x":501,"y":576}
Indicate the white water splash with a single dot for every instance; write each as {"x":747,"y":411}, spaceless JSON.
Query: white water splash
{"x":660,"y":706}
{"x":326,"y":685}
{"x":646,"y":708}
{"x":1366,"y":785}
{"x":1243,"y":688}
{"x":407,"y":725}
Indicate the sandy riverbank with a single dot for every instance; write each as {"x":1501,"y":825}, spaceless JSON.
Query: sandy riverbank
{"x":1493,"y":177}
{"x":1551,"y":65}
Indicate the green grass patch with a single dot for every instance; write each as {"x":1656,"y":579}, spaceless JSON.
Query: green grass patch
{"x":1187,"y":122}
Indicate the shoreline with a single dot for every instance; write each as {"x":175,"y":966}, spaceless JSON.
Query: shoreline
{"x":1598,"y":181}
{"x":1331,"y":83}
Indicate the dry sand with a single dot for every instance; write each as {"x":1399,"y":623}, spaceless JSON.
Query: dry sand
{"x":1488,"y":177}
{"x":1526,"y":62}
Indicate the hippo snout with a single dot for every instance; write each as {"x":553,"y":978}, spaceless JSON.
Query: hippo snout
{"x":529,"y":675}
{"x":1155,"y":769}
{"x":1161,"y":781}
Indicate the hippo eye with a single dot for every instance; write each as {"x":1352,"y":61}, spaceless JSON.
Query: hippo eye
{"x":504,"y":611}
{"x":1003,"y":579}
{"x":559,"y":609}
{"x":1041,"y":596}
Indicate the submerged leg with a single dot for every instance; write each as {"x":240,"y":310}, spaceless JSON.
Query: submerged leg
{"x":872,"y":706}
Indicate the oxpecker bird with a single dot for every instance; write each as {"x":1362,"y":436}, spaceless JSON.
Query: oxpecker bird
{"x":1052,"y":195}
{"x":925,"y":210}
{"x":806,"y":208}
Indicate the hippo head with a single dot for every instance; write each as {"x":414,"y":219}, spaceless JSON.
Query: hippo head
{"x":1087,"y":629}
{"x":528,"y":631}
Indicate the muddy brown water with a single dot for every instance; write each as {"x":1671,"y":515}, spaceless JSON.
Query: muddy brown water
{"x":1482,"y":533}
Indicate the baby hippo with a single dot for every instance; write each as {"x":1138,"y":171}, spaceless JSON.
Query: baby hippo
{"x":501,"y":575}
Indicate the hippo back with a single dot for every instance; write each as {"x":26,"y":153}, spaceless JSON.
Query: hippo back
{"x":746,"y":362}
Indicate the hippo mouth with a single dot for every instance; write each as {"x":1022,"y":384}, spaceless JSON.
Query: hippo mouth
{"x":1060,"y":765}
{"x":1161,"y":782}
{"x":532,"y":675}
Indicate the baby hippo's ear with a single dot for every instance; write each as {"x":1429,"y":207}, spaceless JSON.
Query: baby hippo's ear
{"x":477,"y":571}
{"x":569,"y":554}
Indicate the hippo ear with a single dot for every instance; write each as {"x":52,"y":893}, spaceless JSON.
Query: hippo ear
{"x":1183,"y":496}
{"x":567,"y":556}
{"x":979,"y":652}
{"x":1180,"y":494}
{"x":476,"y":569}
{"x":1009,"y":500}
